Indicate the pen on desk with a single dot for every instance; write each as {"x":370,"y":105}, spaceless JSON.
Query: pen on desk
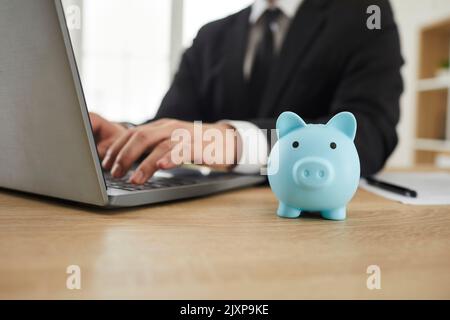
{"x":391,"y":187}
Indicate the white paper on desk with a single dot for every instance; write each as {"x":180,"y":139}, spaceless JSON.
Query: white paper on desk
{"x":433,"y":188}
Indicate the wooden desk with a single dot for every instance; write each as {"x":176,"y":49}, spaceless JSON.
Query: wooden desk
{"x":226,"y":246}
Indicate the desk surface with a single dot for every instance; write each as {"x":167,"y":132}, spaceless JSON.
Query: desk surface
{"x":230,"y":245}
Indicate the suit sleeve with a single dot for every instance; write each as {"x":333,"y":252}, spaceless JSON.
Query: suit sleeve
{"x":370,"y":88}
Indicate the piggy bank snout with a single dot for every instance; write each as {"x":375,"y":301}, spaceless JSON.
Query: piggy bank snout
{"x":313,"y":172}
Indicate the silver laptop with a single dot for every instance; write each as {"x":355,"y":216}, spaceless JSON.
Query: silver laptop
{"x":46,"y":142}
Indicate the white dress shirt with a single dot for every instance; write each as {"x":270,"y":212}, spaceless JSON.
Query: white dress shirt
{"x":254,"y":146}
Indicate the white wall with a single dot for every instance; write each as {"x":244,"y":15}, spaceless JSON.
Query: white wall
{"x":126,"y":57}
{"x":411,"y":15}
{"x":128,"y":50}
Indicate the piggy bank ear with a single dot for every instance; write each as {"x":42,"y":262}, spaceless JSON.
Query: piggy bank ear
{"x":344,"y":122}
{"x":287,"y":122}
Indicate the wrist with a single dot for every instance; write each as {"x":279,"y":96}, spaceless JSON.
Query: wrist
{"x":251,"y":147}
{"x":231,"y":144}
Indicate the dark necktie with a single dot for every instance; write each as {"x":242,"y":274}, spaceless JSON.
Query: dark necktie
{"x":262,"y":61}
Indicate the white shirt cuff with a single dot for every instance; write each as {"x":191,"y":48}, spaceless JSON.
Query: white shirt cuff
{"x":253,"y":149}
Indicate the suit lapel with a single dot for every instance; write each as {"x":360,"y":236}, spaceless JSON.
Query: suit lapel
{"x":235,"y":47}
{"x":304,"y":29}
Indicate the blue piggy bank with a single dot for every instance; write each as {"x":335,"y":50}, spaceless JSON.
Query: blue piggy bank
{"x":314,"y":167}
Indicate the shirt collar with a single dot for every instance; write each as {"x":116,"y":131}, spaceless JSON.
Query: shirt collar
{"x":288,"y":7}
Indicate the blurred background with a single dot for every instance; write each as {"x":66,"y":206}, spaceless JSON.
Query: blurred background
{"x":128,"y":51}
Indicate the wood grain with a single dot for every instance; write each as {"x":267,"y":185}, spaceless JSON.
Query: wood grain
{"x":229,"y":246}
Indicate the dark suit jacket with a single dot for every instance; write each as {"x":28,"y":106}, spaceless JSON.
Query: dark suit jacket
{"x":330,"y":62}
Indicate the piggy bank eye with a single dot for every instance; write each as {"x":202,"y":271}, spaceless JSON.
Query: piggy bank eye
{"x":333,"y":145}
{"x":295,"y":144}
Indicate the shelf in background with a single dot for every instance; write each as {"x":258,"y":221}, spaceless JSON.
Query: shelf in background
{"x":438,"y":83}
{"x":433,"y":95}
{"x":435,"y":145}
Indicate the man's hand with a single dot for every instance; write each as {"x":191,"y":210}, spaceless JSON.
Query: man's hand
{"x":126,"y":146}
{"x":105,"y":133}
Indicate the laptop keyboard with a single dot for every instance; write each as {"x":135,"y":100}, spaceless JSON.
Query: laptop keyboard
{"x":154,"y":183}
{"x":157,"y":182}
